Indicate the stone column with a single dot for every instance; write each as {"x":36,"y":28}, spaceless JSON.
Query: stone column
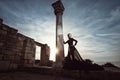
{"x":45,"y":54}
{"x":58,"y":10}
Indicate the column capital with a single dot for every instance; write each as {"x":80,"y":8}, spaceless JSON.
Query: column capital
{"x":58,"y":7}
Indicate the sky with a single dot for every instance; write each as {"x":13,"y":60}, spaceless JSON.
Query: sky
{"x":95,"y":24}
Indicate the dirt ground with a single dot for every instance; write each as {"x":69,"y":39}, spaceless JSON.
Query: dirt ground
{"x":23,"y":75}
{"x":29,"y":76}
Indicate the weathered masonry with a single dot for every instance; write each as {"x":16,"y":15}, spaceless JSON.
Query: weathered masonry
{"x":18,"y":50}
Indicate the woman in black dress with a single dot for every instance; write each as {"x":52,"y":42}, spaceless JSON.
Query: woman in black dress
{"x":71,"y":46}
{"x":72,"y":51}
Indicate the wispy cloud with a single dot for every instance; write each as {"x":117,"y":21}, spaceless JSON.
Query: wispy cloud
{"x":95,"y":24}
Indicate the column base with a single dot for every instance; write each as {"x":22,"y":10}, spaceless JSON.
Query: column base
{"x":57,"y":66}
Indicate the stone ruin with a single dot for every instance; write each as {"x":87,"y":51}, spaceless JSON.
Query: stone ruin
{"x":18,"y":50}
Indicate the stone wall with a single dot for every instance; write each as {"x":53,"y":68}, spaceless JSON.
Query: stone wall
{"x":18,"y":50}
{"x":25,"y":47}
{"x":45,"y":54}
{"x":7,"y":46}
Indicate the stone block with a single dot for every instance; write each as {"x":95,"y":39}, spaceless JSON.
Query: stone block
{"x":1,"y":57}
{"x":3,"y":41}
{"x":3,"y":32}
{"x":28,"y":49}
{"x":6,"y":58}
{"x":29,"y":52}
{"x":31,"y":61}
{"x":4,"y":65}
{"x":1,"y":44}
{"x":2,"y":51}
{"x":12,"y":58}
{"x":11,"y":41}
{"x":4,"y":27}
{"x":20,"y":44}
{"x":12,"y":30}
{"x":26,"y":61}
{"x":10,"y":47}
{"x":13,"y":66}
{"x":9,"y":57}
{"x":28,"y":56}
{"x":11,"y":36}
{"x":18,"y":53}
{"x":28,"y":65}
{"x":8,"y":52}
{"x":9,"y":29}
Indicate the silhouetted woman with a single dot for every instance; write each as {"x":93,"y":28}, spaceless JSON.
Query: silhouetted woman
{"x":71,"y":46}
{"x":72,"y":51}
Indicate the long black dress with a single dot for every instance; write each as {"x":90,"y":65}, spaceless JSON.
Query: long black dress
{"x":72,"y":51}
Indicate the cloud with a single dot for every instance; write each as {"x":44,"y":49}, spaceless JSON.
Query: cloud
{"x":112,"y":23}
{"x":93,"y":23}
